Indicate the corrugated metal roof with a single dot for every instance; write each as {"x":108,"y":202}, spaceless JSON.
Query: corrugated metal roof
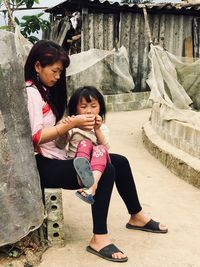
{"x":110,"y":6}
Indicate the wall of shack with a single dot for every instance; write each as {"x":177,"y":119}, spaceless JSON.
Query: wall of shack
{"x":100,"y":31}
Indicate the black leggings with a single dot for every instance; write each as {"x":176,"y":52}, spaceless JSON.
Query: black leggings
{"x":61,"y":174}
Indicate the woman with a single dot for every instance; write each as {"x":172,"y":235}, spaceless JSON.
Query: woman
{"x":46,"y":90}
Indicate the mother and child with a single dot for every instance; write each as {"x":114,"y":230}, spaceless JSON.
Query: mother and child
{"x":85,"y":166}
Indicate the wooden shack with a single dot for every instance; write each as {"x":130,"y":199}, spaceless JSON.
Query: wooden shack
{"x":110,"y":24}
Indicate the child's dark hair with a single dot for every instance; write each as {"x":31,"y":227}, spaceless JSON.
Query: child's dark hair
{"x":48,"y":53}
{"x":86,"y":92}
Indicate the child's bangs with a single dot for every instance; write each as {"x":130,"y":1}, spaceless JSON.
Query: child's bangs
{"x":87,"y":95}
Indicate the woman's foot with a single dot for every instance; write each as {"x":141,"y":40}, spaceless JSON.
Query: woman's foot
{"x":140,"y":220}
{"x":99,"y":242}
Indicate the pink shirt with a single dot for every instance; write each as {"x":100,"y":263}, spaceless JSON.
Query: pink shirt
{"x":41,"y":116}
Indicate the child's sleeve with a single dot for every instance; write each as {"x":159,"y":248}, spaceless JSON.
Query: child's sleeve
{"x":105,"y":131}
{"x":62,"y":141}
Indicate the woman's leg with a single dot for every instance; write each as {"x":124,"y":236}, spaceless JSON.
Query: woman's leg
{"x":57,"y":173}
{"x":125,"y":183}
{"x":61,"y":174}
{"x":100,"y":207}
{"x":126,"y":187}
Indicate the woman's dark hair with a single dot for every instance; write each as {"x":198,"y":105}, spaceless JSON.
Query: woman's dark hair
{"x":48,"y":53}
{"x":86,"y":92}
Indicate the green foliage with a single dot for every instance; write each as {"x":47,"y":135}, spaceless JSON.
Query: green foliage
{"x":32,"y":24}
{"x":6,"y":28}
{"x":27,"y":3}
{"x":29,"y":24}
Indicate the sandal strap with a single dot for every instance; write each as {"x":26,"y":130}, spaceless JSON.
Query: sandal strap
{"x":152,"y":225}
{"x":109,"y":250}
{"x":87,"y":191}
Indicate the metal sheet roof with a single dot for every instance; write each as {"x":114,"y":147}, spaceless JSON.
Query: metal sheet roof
{"x":110,"y":6}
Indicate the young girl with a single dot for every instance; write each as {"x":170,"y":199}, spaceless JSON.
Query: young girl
{"x":88,"y":148}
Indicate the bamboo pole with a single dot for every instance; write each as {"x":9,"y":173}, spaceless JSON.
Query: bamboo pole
{"x":11,"y":24}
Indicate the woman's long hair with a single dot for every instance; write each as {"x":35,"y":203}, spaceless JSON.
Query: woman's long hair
{"x":48,"y":53}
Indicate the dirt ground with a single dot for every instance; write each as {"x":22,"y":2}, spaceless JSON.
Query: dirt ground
{"x":164,"y":197}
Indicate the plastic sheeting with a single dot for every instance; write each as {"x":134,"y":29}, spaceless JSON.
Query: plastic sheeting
{"x":107,"y":70}
{"x":175,"y":83}
{"x":21,"y":207}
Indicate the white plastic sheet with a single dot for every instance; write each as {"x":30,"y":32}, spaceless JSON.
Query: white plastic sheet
{"x":175,"y":84}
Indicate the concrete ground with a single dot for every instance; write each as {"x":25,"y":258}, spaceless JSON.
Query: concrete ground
{"x":164,"y":197}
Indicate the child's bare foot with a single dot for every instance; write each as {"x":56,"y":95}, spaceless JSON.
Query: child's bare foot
{"x":86,"y":195}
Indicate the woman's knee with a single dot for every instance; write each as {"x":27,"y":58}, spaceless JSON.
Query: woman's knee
{"x":109,"y":172}
{"x":118,"y":160}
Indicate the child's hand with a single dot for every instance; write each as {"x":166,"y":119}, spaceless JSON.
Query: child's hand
{"x":98,"y":122}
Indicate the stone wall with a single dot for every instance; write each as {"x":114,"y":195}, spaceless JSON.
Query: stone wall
{"x":128,"y":101}
{"x":175,"y":144}
{"x":182,"y":135}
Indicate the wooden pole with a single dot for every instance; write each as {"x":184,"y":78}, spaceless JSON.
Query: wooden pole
{"x":147,"y":24}
{"x":11,"y":24}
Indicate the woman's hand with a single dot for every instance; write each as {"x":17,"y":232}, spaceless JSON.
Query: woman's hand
{"x":67,"y":119}
{"x":85,"y":121}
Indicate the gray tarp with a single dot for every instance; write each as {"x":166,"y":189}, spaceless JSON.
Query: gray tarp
{"x":107,"y":70}
{"x":21,"y":207}
{"x":175,"y":83}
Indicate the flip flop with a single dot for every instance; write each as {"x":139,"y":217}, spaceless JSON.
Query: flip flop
{"x":88,"y":199}
{"x":82,"y":167}
{"x":152,"y":226}
{"x":106,"y":253}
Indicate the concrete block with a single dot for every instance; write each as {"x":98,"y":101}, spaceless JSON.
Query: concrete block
{"x":55,"y":219}
{"x":55,"y":233}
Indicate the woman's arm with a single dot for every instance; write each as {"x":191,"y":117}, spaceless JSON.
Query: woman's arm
{"x":85,"y":122}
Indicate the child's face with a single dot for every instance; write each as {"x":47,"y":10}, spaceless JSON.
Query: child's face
{"x":85,"y":107}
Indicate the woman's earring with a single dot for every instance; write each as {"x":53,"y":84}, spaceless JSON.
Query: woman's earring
{"x":38,"y":78}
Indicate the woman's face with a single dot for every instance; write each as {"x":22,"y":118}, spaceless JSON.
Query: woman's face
{"x":85,"y":107}
{"x":50,"y":74}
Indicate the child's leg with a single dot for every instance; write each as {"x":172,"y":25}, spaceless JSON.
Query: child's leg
{"x":99,"y":160}
{"x":84,"y":149}
{"x":98,"y":163}
{"x":82,"y":164}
